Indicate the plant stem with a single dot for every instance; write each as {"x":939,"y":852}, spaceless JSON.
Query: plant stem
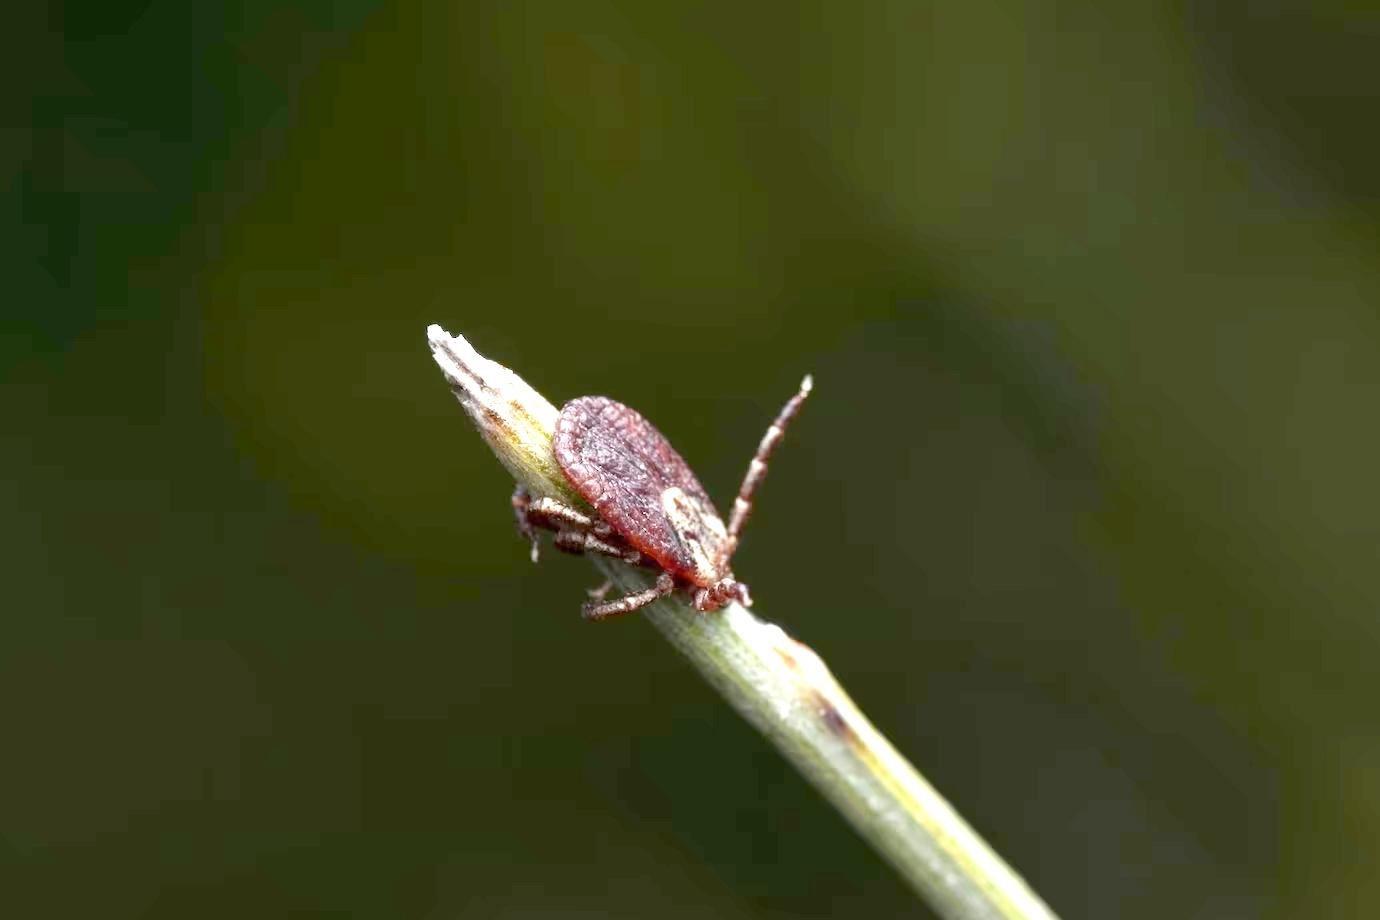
{"x":778,"y":684}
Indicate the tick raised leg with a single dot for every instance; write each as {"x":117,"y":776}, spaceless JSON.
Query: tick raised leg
{"x":757,"y":469}
{"x":627,"y":604}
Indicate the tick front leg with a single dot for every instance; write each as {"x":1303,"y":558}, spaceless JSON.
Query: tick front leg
{"x":757,"y":470}
{"x":664,"y":586}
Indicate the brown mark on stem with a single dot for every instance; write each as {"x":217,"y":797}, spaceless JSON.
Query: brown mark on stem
{"x":833,"y":720}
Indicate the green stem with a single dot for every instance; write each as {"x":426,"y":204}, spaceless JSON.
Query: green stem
{"x":778,"y":684}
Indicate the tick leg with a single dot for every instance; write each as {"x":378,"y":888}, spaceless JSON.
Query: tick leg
{"x":577,"y":542}
{"x":552,"y":515}
{"x":601,"y":592}
{"x":757,"y":469}
{"x":707,"y":600}
{"x":522,"y":503}
{"x":664,"y":586}
{"x":549,"y":514}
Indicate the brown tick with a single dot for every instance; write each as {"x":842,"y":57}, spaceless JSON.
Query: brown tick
{"x":650,"y":510}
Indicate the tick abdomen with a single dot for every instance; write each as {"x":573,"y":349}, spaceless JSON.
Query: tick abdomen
{"x":640,"y":485}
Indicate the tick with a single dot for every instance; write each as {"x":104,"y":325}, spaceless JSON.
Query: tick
{"x":650,"y":510}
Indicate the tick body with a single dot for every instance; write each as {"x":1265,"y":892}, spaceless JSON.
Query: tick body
{"x":650,"y":510}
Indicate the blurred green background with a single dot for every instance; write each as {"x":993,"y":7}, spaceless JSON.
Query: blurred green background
{"x":1083,"y":511}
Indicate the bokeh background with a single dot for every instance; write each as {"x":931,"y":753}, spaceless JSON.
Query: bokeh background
{"x":1083,"y":511}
